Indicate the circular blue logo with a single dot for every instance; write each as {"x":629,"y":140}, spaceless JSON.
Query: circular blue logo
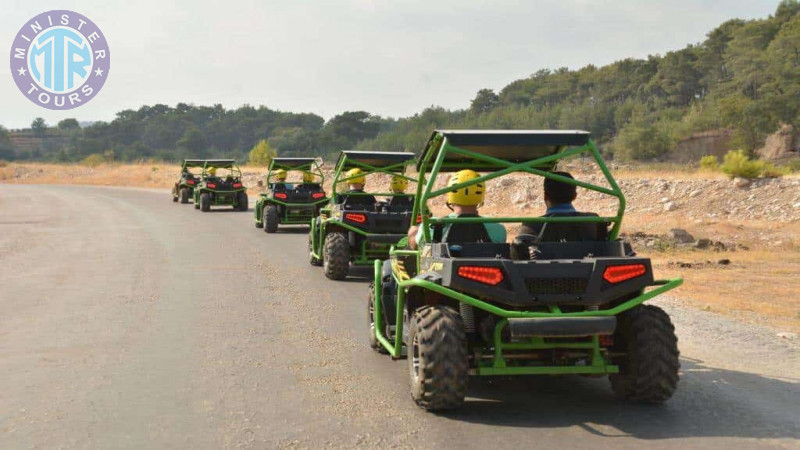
{"x":60,"y":59}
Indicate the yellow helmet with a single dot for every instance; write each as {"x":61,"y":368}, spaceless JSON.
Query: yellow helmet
{"x":212,"y":170}
{"x":309,"y":177}
{"x":471,"y":195}
{"x":398,"y":184}
{"x":279,"y":175}
{"x":358,"y":179}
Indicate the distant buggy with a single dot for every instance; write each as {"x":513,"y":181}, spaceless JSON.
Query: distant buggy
{"x":566,"y":301}
{"x":183,"y":189}
{"x":290,"y":203}
{"x":220,"y":185}
{"x":354,"y":229}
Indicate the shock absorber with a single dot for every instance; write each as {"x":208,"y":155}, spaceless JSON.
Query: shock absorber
{"x":467,"y":316}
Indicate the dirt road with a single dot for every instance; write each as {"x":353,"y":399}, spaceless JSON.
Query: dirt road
{"x":128,"y":321}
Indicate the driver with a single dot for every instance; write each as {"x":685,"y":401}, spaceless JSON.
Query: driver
{"x":355,"y":185}
{"x":212,"y":172}
{"x":279,"y":180}
{"x":558,"y":198}
{"x":464,"y":202}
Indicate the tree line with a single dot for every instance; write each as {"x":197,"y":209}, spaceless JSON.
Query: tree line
{"x":744,"y":77}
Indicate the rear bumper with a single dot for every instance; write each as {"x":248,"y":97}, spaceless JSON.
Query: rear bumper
{"x":561,"y":326}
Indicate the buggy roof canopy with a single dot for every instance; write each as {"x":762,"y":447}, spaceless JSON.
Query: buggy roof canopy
{"x":515,"y":146}
{"x":359,"y":159}
{"x":292,"y":162}
{"x":193,"y":162}
{"x":220,"y":163}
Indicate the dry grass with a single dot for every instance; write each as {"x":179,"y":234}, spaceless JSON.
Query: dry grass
{"x":757,"y":285}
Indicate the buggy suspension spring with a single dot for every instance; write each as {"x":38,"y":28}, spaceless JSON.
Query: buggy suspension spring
{"x":467,"y":316}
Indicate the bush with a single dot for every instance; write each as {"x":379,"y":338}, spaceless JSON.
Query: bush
{"x":737,"y":164}
{"x":709,"y":162}
{"x":772,"y":171}
{"x":93,"y":160}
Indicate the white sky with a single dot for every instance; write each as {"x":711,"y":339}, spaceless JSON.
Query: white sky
{"x":388,"y":57}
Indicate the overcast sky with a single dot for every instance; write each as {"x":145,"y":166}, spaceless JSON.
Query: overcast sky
{"x":388,"y":57}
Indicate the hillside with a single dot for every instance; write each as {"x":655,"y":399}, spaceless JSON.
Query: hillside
{"x":730,"y":91}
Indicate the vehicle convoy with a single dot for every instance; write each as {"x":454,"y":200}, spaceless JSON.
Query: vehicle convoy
{"x":290,"y":203}
{"x":354,"y":228}
{"x":568,"y":300}
{"x":220,"y":189}
{"x":183,"y":189}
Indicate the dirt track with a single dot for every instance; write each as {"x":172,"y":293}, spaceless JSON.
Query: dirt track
{"x":127,"y":321}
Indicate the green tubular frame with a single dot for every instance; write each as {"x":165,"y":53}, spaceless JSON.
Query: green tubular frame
{"x":498,"y":364}
{"x":365,"y":256}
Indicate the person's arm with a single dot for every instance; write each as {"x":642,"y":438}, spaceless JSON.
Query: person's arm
{"x":412,"y":237}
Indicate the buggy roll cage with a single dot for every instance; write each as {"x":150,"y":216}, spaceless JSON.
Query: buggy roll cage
{"x":310,"y":166}
{"x":501,"y":153}
{"x":389,"y":163}
{"x":229,"y":164}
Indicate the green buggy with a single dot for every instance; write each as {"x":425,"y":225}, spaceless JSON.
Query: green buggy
{"x":565,"y":301}
{"x":290,"y":203}
{"x":220,"y":189}
{"x":354,"y":228}
{"x":183,"y":189}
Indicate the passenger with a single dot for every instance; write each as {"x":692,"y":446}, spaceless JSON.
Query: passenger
{"x":464,"y":202}
{"x":399,"y":203}
{"x":309,"y":183}
{"x":355,"y":185}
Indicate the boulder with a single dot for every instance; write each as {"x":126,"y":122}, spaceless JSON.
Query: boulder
{"x":670,"y":206}
{"x":680,"y":235}
{"x":741,"y":182}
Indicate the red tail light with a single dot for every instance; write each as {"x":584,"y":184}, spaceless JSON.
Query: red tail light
{"x":486,"y":275}
{"x":419,"y":219}
{"x":357,"y":218}
{"x":281,"y":195}
{"x":618,"y":274}
{"x":318,"y":195}
{"x":189,"y":181}
{"x":211,"y":185}
{"x":237,"y":185}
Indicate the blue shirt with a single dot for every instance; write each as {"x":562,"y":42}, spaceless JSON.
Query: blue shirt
{"x":561,"y":208}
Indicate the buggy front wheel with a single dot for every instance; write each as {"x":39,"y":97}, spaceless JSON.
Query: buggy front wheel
{"x":313,"y":260}
{"x":437,"y":358}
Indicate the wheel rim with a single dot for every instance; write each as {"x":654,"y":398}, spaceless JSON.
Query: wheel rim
{"x":415,"y":359}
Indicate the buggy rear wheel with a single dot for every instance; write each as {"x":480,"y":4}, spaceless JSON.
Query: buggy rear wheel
{"x":437,"y":358}
{"x":270,"y":218}
{"x":648,"y":370}
{"x":184,"y":195}
{"x":373,"y":340}
{"x":314,"y":261}
{"x":205,"y":202}
{"x":336,"y":256}
{"x":241,"y":201}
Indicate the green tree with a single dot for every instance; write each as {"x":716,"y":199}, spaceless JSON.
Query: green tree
{"x":39,"y":127}
{"x":485,"y":100}
{"x":68,"y":124}
{"x":261,"y":154}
